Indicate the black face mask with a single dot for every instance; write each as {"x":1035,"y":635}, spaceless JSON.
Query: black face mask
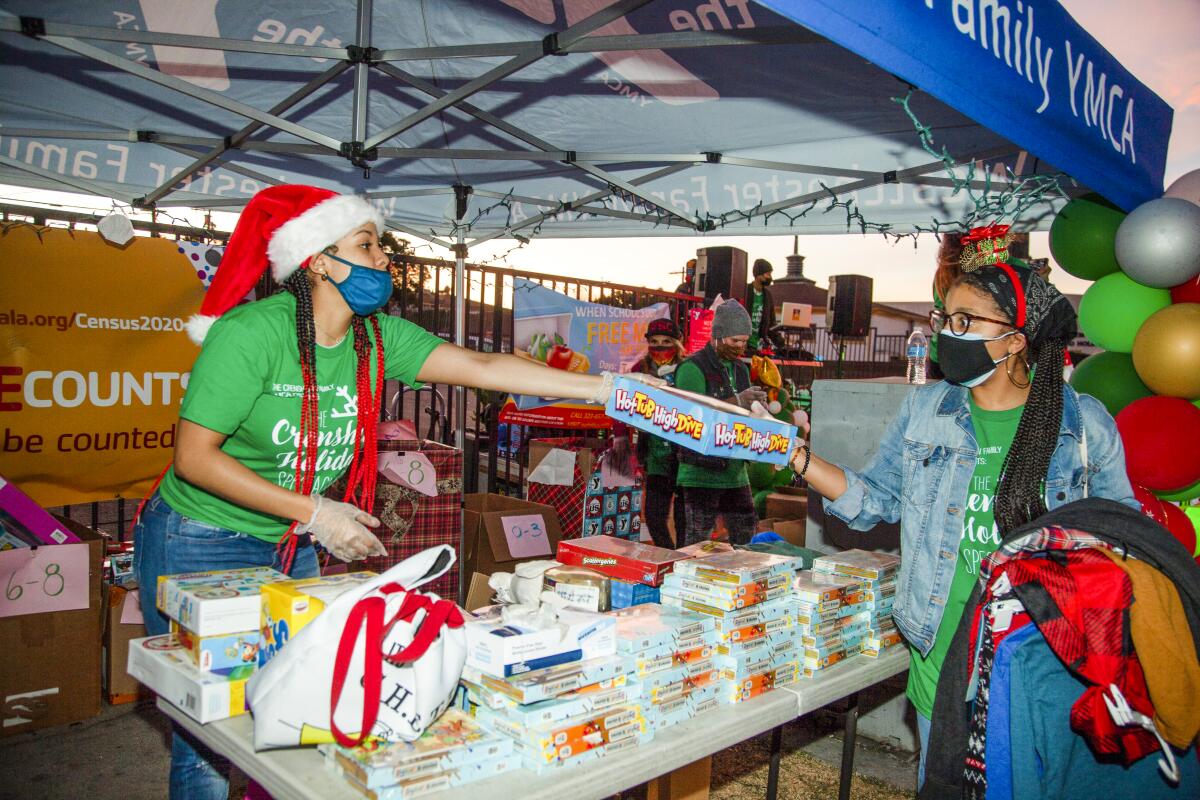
{"x":965,"y":360}
{"x":766,"y":281}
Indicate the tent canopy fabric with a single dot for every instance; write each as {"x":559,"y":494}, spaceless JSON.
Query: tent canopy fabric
{"x":570,"y":118}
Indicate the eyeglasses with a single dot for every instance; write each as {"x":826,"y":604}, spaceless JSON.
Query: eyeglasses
{"x":960,"y":321}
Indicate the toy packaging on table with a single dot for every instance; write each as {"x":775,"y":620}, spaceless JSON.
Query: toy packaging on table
{"x":747,"y":595}
{"x":549,"y":687}
{"x":162,"y":664}
{"x":699,"y":423}
{"x":453,"y":751}
{"x":844,"y":607}
{"x":617,"y":558}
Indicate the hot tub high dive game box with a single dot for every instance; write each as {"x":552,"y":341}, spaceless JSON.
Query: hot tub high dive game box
{"x":699,"y":423}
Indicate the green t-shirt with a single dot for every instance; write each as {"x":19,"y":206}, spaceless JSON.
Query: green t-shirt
{"x":756,"y":314}
{"x":658,"y":456}
{"x":246,"y":384}
{"x":689,"y":378}
{"x":994,"y":432}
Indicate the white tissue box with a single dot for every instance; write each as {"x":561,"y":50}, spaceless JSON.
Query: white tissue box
{"x":506,"y":649}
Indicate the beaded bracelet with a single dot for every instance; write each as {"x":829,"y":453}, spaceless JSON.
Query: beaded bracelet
{"x":807,"y":459}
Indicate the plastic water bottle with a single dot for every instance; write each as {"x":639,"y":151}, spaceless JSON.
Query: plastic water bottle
{"x":917,"y":349}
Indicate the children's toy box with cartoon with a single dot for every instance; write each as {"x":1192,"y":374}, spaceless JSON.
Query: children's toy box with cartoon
{"x":708,"y":426}
{"x":217,"y":602}
{"x":289,"y":605}
{"x":231,"y":654}
{"x":160,"y":663}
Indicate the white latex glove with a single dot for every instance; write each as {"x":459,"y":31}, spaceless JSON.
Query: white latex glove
{"x":757,"y":409}
{"x":606,"y":383}
{"x":746,"y":398}
{"x":342,"y":530}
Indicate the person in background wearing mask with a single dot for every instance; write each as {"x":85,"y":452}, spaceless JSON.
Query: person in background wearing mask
{"x":657,"y":455}
{"x":762,"y":307}
{"x":971,"y":459}
{"x":714,"y":486}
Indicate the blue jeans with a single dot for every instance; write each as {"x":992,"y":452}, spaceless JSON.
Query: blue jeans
{"x":169,"y":543}
{"x":922,"y":732}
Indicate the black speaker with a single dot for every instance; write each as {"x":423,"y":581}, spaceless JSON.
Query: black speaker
{"x":848,"y":310}
{"x":721,"y":271}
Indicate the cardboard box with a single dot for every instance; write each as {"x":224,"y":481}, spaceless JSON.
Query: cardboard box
{"x":792,"y":530}
{"x":699,"y":423}
{"x":119,"y":686}
{"x":787,"y":502}
{"x":50,"y":662}
{"x":585,"y":456}
{"x":479,"y":594}
{"x":487,"y":548}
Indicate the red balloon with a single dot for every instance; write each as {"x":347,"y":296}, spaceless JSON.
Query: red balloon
{"x":1160,"y":435}
{"x":1152,"y":505}
{"x":1180,"y":525}
{"x":1187,"y":292}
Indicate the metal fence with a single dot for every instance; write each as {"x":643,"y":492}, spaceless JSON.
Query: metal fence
{"x":494,"y":459}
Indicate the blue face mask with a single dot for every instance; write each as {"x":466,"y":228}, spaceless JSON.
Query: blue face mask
{"x":365,"y":290}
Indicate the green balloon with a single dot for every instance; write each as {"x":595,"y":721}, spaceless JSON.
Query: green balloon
{"x":1111,"y":379}
{"x":1114,"y":307}
{"x":1182,"y":495}
{"x":1193,"y":513}
{"x":1083,"y":237}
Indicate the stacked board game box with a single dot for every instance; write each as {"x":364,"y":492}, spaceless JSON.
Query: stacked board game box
{"x":746,"y":594}
{"x":829,"y":617}
{"x":561,"y":715}
{"x":876,"y":574}
{"x":454,"y":751}
{"x":668,"y":654}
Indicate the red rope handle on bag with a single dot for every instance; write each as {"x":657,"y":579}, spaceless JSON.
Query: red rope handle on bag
{"x":369,"y":612}
{"x":438,"y":614}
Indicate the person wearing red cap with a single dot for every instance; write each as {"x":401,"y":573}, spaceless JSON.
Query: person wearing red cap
{"x":657,"y":455}
{"x":284,"y":398}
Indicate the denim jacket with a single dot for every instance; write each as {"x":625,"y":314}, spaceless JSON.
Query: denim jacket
{"x":920,"y":477}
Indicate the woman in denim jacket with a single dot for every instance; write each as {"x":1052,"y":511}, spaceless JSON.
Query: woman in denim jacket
{"x":998,"y":444}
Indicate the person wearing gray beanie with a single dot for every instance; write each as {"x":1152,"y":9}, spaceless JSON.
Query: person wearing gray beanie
{"x":730,"y":319}
{"x":712,"y":486}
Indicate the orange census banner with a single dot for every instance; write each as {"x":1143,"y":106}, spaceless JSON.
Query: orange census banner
{"x":94,"y":361}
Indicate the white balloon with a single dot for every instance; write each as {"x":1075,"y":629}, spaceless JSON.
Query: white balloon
{"x":1186,"y":187}
{"x":1158,"y":244}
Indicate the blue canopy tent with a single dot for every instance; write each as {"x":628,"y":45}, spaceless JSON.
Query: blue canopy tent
{"x":470,"y":121}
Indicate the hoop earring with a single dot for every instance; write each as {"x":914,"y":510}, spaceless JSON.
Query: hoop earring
{"x":1012,"y":359}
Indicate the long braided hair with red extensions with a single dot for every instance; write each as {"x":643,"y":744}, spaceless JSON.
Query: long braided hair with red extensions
{"x":360,"y":487}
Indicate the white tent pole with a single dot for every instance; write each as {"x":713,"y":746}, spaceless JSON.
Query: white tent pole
{"x":183,"y":87}
{"x":79,"y":184}
{"x":238,"y":138}
{"x":362,"y":72}
{"x":13,"y":24}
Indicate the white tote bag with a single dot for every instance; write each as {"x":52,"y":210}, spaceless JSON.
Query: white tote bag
{"x":382,"y":660}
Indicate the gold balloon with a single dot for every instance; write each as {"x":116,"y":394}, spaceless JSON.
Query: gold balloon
{"x":1166,"y":351}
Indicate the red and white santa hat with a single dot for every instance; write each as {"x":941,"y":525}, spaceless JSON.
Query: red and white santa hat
{"x":283,"y":226}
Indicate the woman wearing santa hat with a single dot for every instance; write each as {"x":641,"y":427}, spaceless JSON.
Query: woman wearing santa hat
{"x":284,"y":398}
